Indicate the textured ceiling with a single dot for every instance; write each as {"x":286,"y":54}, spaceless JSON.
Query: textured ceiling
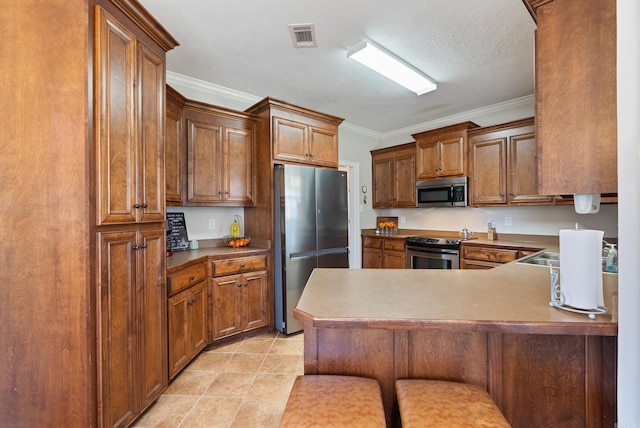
{"x":480,"y":52}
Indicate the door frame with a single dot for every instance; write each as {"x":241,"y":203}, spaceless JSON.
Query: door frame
{"x":353,"y":184}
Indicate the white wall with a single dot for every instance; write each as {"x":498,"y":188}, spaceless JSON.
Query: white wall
{"x":628,"y":39}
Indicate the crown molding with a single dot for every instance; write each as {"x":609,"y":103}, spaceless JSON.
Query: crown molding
{"x":461,"y":117}
{"x":211,"y":88}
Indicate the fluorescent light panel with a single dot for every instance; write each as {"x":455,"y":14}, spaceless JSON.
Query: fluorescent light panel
{"x":390,"y":66}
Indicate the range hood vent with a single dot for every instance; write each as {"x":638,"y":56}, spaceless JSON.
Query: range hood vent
{"x":303,"y":35}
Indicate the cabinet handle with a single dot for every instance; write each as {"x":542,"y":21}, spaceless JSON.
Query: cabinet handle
{"x":136,"y":206}
{"x":140,"y":247}
{"x":191,"y":278}
{"x":144,"y":205}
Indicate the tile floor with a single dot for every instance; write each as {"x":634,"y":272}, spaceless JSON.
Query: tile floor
{"x":241,"y":384}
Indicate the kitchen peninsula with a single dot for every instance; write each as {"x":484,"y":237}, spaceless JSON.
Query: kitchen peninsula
{"x":542,"y":366}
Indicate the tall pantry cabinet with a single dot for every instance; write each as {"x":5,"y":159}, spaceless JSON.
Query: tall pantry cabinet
{"x":130,"y":218}
{"x":82,"y":318}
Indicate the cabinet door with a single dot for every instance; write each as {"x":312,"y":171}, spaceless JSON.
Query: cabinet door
{"x":198,"y":318}
{"x":383,"y":182}
{"x":394,"y":260}
{"x":151,"y":296}
{"x":255,"y":296}
{"x":187,"y":326}
{"x":451,"y":156}
{"x":489,"y":172}
{"x":428,"y":159}
{"x":115,"y":121}
{"x":323,"y":146}
{"x":238,"y":166}
{"x":150,"y":200}
{"x":290,"y":140}
{"x":174,"y":152}
{"x":405,"y":181}
{"x":523,"y":173}
{"x":227,"y":306}
{"x":204,"y":153}
{"x":118,"y":386}
{"x":371,"y":259}
{"x":179,"y":347}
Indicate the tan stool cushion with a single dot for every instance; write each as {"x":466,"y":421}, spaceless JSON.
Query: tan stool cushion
{"x":432,"y":403}
{"x":334,"y":401}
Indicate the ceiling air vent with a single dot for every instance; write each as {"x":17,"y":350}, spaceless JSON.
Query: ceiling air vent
{"x":303,"y":35}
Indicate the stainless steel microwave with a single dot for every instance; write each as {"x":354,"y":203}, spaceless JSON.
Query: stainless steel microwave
{"x":444,"y":192}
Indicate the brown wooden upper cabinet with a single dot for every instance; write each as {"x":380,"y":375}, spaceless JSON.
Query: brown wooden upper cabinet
{"x":300,"y":135}
{"x":174,"y":148}
{"x":129,"y":124}
{"x":220,"y":145}
{"x":394,"y":176}
{"x":502,"y":165}
{"x":442,"y":152}
{"x":575,"y":96}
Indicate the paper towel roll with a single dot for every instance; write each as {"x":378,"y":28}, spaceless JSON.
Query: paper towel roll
{"x":581,"y":267}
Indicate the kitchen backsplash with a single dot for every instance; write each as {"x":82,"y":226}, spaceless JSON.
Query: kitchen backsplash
{"x":208,"y":222}
{"x":544,"y":220}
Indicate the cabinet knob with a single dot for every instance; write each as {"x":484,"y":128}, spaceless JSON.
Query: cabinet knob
{"x":220,"y":192}
{"x":191,"y":278}
{"x":245,"y":283}
{"x":501,"y":194}
{"x":240,"y":284}
{"x":511,"y":193}
{"x":144,"y":205}
{"x":242,"y":265}
{"x":136,"y":206}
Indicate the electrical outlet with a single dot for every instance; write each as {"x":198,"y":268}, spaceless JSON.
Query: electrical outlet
{"x":212,"y":224}
{"x":507,"y":221}
{"x":403,"y":219}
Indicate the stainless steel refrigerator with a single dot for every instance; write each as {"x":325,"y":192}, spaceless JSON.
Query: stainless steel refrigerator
{"x":311,"y":230}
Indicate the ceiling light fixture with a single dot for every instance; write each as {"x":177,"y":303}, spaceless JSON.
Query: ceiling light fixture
{"x":384,"y":62}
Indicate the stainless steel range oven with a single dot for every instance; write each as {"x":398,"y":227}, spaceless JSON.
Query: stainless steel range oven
{"x":432,"y":253}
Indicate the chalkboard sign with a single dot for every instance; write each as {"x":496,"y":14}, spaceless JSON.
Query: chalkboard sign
{"x":177,"y":239}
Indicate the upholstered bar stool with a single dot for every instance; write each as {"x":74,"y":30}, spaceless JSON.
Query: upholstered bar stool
{"x":334,"y":401}
{"x":432,"y":403}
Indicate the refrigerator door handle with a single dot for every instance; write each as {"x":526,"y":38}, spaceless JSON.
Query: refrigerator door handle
{"x":303,"y":254}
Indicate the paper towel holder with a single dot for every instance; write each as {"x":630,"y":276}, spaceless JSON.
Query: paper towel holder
{"x":558,"y":298}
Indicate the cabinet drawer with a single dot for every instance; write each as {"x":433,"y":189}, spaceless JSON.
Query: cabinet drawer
{"x":372,"y":243}
{"x":394,"y":244}
{"x":238,"y":265}
{"x":185,"y":278}
{"x":499,"y":255}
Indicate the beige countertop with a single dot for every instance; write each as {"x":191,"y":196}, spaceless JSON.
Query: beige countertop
{"x":511,"y":298}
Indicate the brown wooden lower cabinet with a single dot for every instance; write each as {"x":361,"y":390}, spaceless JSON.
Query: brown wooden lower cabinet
{"x":132,"y":323}
{"x":537,"y":380}
{"x":384,"y":252}
{"x":484,"y":256}
{"x":238,"y":292}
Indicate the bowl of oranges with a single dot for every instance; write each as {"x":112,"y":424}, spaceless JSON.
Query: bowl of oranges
{"x":237,"y":241}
